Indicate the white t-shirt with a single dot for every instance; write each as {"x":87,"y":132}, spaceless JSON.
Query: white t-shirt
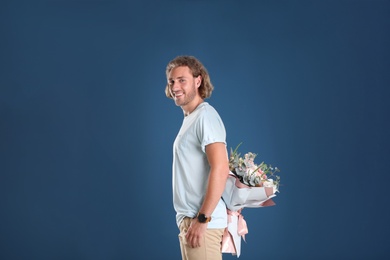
{"x":190,"y":165}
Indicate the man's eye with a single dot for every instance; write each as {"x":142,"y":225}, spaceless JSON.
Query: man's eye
{"x":181,"y":80}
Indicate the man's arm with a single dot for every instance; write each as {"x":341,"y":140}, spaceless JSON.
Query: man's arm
{"x":219,"y":172}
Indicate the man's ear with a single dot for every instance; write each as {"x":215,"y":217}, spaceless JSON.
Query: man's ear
{"x":198,"y":81}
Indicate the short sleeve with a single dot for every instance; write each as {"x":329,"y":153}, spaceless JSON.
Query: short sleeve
{"x":210,"y":129}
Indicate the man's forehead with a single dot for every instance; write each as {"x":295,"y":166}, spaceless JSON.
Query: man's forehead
{"x":180,"y":72}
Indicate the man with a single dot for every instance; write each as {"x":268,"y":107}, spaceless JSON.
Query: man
{"x":200,"y":162}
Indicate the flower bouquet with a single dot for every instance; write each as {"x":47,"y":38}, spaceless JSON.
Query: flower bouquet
{"x":248,"y":185}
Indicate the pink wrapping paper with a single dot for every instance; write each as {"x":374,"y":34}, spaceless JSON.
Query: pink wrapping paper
{"x":238,"y":196}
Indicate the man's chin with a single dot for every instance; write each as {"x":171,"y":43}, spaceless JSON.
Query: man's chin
{"x":178,"y":103}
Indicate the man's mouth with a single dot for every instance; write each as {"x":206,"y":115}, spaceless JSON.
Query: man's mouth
{"x":177,"y":95}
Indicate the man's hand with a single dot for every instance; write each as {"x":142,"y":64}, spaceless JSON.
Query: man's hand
{"x":195,"y":233}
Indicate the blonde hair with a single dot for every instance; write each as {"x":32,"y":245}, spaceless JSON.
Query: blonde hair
{"x":196,"y":68}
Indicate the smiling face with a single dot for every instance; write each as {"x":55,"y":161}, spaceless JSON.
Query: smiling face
{"x":183,"y":87}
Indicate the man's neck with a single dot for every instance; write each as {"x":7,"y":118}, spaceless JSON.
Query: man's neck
{"x":188,"y":110}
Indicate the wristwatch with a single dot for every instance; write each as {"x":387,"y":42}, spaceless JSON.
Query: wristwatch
{"x":202,"y":218}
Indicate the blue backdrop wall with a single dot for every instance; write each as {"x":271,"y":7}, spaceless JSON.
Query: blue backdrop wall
{"x":86,"y":132}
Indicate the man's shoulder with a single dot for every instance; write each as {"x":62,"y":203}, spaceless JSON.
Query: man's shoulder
{"x":208,"y":114}
{"x":206,"y":108}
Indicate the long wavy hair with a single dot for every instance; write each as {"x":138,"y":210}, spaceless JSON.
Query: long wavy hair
{"x":206,"y":88}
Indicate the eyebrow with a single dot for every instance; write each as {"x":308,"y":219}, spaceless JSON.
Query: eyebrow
{"x":180,"y":77}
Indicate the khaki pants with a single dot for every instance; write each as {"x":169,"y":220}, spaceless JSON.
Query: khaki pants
{"x":211,"y":245}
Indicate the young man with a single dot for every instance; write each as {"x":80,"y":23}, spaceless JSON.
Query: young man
{"x":200,"y":162}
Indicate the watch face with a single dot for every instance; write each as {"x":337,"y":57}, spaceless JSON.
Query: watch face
{"x":202,"y":218}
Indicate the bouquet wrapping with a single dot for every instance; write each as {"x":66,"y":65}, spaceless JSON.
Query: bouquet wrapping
{"x":238,"y":195}
{"x":245,"y":188}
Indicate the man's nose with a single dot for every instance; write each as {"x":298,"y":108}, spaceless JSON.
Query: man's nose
{"x":175,"y":86}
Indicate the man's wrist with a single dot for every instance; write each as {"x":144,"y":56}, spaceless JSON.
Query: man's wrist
{"x":202,"y":218}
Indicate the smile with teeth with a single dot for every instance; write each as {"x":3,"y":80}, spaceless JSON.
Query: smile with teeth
{"x":178,"y":94}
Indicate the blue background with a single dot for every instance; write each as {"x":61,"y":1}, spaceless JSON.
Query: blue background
{"x":86,"y":131}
